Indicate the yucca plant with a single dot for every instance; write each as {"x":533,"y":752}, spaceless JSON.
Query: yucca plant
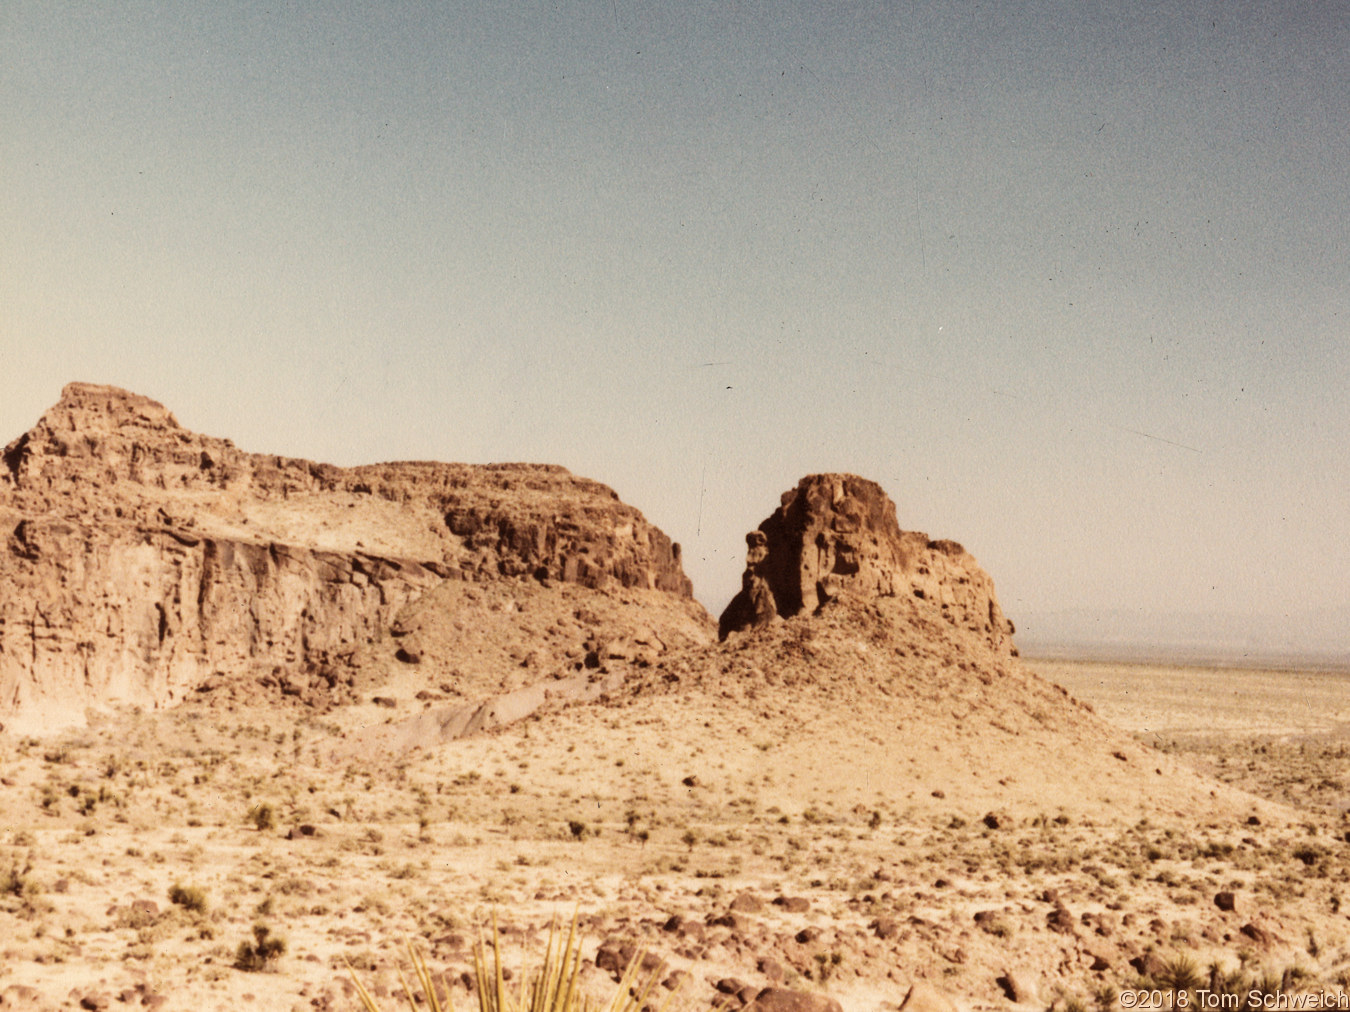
{"x":1180,"y":973}
{"x":554,"y":987}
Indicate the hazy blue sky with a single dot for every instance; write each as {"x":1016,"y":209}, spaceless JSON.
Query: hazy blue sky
{"x":1069,"y":279}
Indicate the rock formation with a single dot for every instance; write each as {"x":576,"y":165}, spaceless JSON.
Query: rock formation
{"x":836,"y":536}
{"x":140,"y":560}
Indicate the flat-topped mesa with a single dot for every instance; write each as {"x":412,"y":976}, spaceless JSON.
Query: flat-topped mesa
{"x":107,"y":453}
{"x":139,"y":559}
{"x":835,"y":536}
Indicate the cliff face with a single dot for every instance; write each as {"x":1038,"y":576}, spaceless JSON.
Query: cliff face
{"x":836,"y":536}
{"x":144,"y":616}
{"x":141,"y":560}
{"x":105,"y":453}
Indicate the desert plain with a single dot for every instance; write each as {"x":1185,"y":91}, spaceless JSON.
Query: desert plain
{"x":348,"y":856}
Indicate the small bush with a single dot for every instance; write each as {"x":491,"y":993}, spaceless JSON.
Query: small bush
{"x":826,"y":964}
{"x":263,"y":817}
{"x":999,"y":927}
{"x":17,"y":881}
{"x":188,"y":897}
{"x":1308,"y":854}
{"x":261,"y":953}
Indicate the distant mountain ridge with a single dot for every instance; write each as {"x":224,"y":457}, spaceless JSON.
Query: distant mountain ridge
{"x":1319,"y":636}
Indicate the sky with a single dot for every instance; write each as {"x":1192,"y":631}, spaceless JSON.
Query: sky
{"x":1070,"y":280}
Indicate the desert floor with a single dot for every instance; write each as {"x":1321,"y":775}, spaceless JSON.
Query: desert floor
{"x":1283,"y":735}
{"x":138,"y":854}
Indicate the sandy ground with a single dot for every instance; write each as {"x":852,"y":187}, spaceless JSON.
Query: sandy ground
{"x":1284,"y":735}
{"x":1167,"y":703}
{"x":675,"y":828}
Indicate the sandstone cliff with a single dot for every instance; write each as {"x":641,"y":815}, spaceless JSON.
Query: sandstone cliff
{"x":141,"y":560}
{"x":836,"y":536}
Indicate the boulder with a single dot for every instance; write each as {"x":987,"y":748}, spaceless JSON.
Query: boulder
{"x":924,"y":997}
{"x":771,"y":968}
{"x":747,"y":903}
{"x":782,"y":999}
{"x":1148,"y":965}
{"x":1257,"y":934}
{"x":614,"y":957}
{"x":1019,"y":986}
{"x":885,"y":927}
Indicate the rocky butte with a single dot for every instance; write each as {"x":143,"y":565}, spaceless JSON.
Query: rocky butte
{"x":142,"y":561}
{"x":835,"y":537}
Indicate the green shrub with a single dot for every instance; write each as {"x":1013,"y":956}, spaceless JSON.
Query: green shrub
{"x":261,"y":953}
{"x":1180,"y":973}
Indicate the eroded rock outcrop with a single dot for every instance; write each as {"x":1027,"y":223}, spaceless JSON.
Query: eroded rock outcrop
{"x":836,"y":536}
{"x":104,"y":452}
{"x":140,"y":615}
{"x":139,"y":560}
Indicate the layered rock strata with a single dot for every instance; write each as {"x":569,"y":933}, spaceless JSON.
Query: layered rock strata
{"x":836,"y":536}
{"x":139,"y":559}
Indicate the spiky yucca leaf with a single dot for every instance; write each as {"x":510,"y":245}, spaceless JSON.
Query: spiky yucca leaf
{"x":1180,"y":973}
{"x":555,"y":987}
{"x":424,"y":978}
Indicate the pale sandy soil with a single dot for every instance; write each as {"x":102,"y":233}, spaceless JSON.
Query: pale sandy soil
{"x":1171,"y":702}
{"x":881,"y":831}
{"x":1284,"y":735}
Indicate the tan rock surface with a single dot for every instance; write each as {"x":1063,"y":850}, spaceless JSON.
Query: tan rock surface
{"x":141,"y":560}
{"x":836,"y":535}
